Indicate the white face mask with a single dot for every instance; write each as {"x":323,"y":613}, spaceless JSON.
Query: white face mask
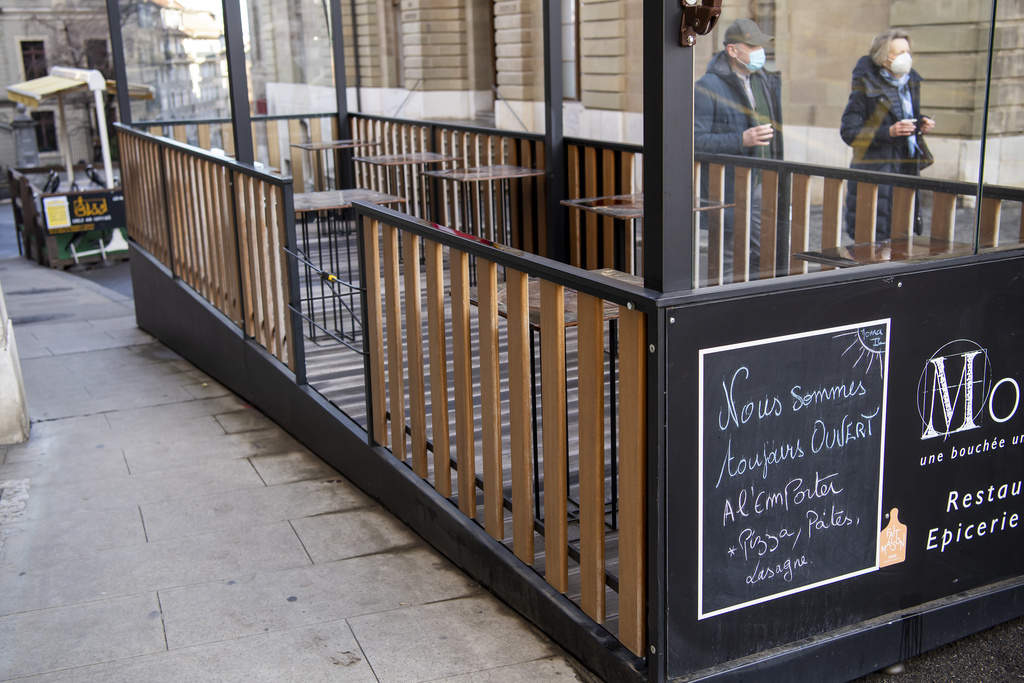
{"x":757,"y":59}
{"x":901,"y":65}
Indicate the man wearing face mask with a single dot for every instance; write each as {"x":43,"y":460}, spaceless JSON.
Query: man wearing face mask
{"x":737,"y":110}
{"x":883,"y":123}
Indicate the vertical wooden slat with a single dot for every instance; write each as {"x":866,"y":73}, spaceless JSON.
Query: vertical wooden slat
{"x":531,"y":202}
{"x":632,"y":481}
{"x":375,"y":329}
{"x":490,"y":399}
{"x":589,"y":172}
{"x":283,"y":337}
{"x":203,"y":130}
{"x":801,"y":222}
{"x":436,"y":337}
{"x":230,"y":251}
{"x":180,"y":133}
{"x":462,"y":352}
{"x":519,"y":380}
{"x":298,"y":172}
{"x":716,"y":225}
{"x":540,"y":189}
{"x":741,"y":226}
{"x":832,"y":215}
{"x":991,"y":211}
{"x":573,"y":160}
{"x":414,"y":340}
{"x":943,"y":216}
{"x":590,"y":335}
{"x":902,"y":212}
{"x":553,"y":403}
{"x":624,"y":185}
{"x":867,"y":213}
{"x":608,"y":223}
{"x":396,"y":363}
{"x":769,"y":222}
{"x":274,"y":147}
{"x":261,"y":277}
{"x":227,"y":138}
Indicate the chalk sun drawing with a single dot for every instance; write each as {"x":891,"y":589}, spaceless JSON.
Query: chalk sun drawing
{"x":870,"y":341}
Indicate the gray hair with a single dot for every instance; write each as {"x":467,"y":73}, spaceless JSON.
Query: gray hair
{"x":883,"y":41}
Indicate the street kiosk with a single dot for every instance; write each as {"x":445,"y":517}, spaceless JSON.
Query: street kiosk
{"x":78,"y":218}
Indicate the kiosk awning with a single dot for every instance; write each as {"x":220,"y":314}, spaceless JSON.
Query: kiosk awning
{"x":33,"y":93}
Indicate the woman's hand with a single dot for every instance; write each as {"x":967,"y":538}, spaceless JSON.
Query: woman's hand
{"x":903,"y":128}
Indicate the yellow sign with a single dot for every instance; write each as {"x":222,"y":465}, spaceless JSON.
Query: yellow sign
{"x":57,"y":213}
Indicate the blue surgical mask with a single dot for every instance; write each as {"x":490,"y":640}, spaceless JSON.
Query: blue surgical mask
{"x":757,"y":59}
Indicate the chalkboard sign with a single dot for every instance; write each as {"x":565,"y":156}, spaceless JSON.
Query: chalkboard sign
{"x":791,"y":452}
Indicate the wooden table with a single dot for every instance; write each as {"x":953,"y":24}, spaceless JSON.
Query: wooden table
{"x":320,"y":150}
{"x":330,"y":200}
{"x":392,"y":162}
{"x":917,"y":248}
{"x":628,"y":208}
{"x":504,"y":174}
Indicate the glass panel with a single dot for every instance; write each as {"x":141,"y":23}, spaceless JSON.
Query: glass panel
{"x":847,"y":106}
{"x":178,"y":50}
{"x":289,"y":63}
{"x":999,"y":211}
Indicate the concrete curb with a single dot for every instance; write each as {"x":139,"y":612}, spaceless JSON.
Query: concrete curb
{"x":14,"y":421}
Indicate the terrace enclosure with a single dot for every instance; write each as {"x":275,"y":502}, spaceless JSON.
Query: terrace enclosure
{"x":679,"y":465}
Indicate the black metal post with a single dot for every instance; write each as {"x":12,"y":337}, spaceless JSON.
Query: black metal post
{"x":668,"y":150}
{"x":343,"y":161}
{"x":554,"y":142}
{"x":124,"y":103}
{"x":294,"y":291}
{"x":238,"y":86}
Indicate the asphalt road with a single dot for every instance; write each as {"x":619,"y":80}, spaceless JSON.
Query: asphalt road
{"x":992,"y":656}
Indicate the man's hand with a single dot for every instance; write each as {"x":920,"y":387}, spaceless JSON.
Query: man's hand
{"x":927,"y":124}
{"x":758,"y":136}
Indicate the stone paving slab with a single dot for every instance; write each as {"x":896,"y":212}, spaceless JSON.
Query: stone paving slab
{"x":162,"y":455}
{"x":71,"y":535}
{"x":322,"y":653}
{"x":550,"y":670}
{"x":446,"y":639}
{"x":90,"y":465}
{"x":328,"y":538}
{"x":250,"y":507}
{"x":101,"y":631}
{"x":267,"y":601}
{"x":134,"y":490}
{"x":132,"y":569}
{"x":299,"y":465}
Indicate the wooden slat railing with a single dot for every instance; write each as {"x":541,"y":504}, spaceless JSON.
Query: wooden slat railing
{"x":599,"y":169}
{"x":219,"y":226}
{"x":594,"y":355}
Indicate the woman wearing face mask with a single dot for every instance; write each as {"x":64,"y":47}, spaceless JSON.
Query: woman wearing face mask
{"x":883,"y":123}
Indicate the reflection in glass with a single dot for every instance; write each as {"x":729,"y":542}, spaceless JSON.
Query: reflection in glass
{"x":178,"y":50}
{"x":838,"y":116}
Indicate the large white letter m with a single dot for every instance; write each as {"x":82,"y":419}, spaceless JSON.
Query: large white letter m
{"x":940,"y":391}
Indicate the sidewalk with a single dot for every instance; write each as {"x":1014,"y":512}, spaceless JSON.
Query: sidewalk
{"x":157,"y":528}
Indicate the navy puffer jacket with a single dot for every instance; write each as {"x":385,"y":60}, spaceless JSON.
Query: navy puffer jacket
{"x":721,"y":110}
{"x":874,"y":105}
